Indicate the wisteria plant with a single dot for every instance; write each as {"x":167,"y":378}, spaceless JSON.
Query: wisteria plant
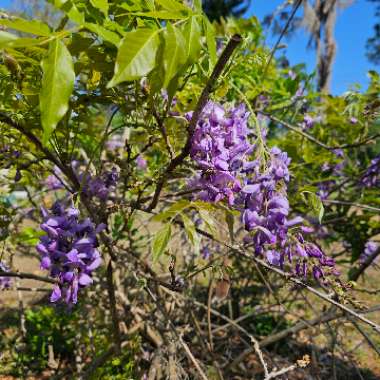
{"x":164,"y":170}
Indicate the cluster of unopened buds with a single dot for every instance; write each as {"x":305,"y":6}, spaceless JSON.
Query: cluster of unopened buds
{"x":257,"y":188}
{"x":68,"y":250}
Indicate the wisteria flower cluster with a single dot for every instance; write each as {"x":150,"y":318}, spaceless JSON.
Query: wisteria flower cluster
{"x":257,"y":188}
{"x":371,"y":177}
{"x":68,"y":250}
{"x":219,"y":147}
{"x":100,"y":186}
{"x":5,"y":282}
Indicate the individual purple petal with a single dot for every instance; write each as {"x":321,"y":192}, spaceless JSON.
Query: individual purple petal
{"x":85,"y":279}
{"x":56,"y":294}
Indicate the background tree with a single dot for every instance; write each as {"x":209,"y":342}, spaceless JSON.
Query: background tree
{"x":319,"y":18}
{"x":373,"y":43}
{"x":217,"y":9}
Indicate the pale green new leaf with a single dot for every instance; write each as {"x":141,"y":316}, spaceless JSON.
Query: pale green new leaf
{"x":173,"y":5}
{"x":207,"y":218}
{"x":174,"y":53}
{"x":57,"y":86}
{"x":192,"y":34}
{"x":172,"y":211}
{"x":191,"y":232}
{"x":6,"y":38}
{"x":211,"y":42}
{"x":162,"y":15}
{"x":136,"y":56}
{"x":104,"y":33}
{"x":102,"y":5}
{"x":230,"y":223}
{"x":161,"y":240}
{"x":315,"y":204}
{"x":198,"y":5}
{"x":28,"y":26}
{"x":71,"y":10}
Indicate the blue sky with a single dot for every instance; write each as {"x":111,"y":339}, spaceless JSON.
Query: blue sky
{"x":354,"y":26}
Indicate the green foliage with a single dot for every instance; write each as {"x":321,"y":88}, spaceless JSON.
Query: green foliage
{"x":161,"y":240}
{"x":56,"y":87}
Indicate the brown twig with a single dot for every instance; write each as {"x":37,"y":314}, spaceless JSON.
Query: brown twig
{"x":176,"y":161}
{"x":28,"y":276}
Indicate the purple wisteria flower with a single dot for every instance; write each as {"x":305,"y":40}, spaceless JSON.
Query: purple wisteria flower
{"x":99,"y":187}
{"x":5,"y":282}
{"x":115,"y":142}
{"x":265,"y":214}
{"x":219,"y":147}
{"x":309,"y":121}
{"x":370,"y":248}
{"x":141,"y":162}
{"x":68,"y":250}
{"x":371,"y":177}
{"x":258,"y":189}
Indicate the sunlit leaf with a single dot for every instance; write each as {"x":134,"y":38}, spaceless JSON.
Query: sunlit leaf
{"x":136,"y":55}
{"x":172,"y":211}
{"x":173,"y":5}
{"x":192,"y":34}
{"x":102,"y":5}
{"x":161,"y":240}
{"x":28,"y":26}
{"x":162,"y":15}
{"x":191,"y":232}
{"x":104,"y":33}
{"x":315,"y":204}
{"x":174,"y":53}
{"x":57,"y":86}
{"x":211,"y":42}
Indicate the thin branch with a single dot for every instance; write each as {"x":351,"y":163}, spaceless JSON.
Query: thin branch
{"x":297,"y":130}
{"x":345,"y":203}
{"x":296,"y":6}
{"x":28,"y":276}
{"x":176,"y":161}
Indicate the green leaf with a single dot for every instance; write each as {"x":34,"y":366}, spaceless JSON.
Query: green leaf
{"x":174,"y":53}
{"x":211,"y":42}
{"x":206,"y":217}
{"x":104,"y":33}
{"x":191,"y":232}
{"x":161,"y":240}
{"x":315,"y":204}
{"x":71,"y":10}
{"x":198,"y":5}
{"x":136,"y":56}
{"x":230,"y":224}
{"x":162,"y":15}
{"x":28,"y":26}
{"x":192,"y":33}
{"x":102,"y":5}
{"x":172,"y":211}
{"x":173,"y":5}
{"x":6,"y":38}
{"x":57,"y":86}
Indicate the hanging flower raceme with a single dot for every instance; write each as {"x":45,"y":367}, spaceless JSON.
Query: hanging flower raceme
{"x":5,"y":282}
{"x":68,"y":250}
{"x":99,"y":187}
{"x":219,"y":146}
{"x":257,"y":188}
